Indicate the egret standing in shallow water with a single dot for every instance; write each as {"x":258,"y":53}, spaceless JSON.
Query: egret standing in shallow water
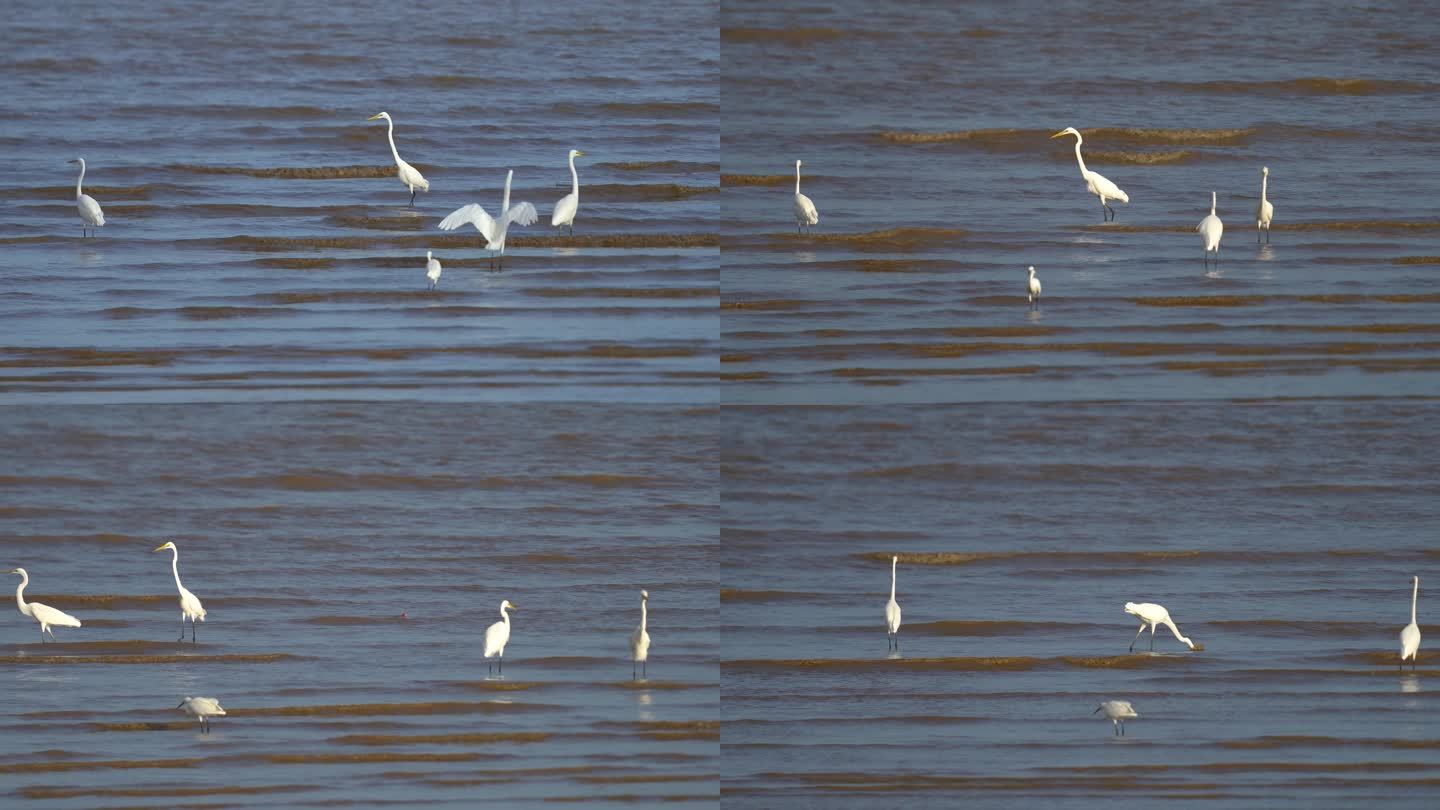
{"x":1117,"y":712}
{"x":190,"y":607}
{"x":640,"y":639}
{"x":1264,"y":212}
{"x":565,"y":209}
{"x":892,"y":610}
{"x":497,"y":636}
{"x":202,"y":709}
{"x":432,"y":269}
{"x":492,"y":229}
{"x":1410,"y":636}
{"x":1094,"y":181}
{"x":44,"y":614}
{"x":805,"y":213}
{"x":90,"y":214}
{"x":1151,"y":615}
{"x":409,"y":176}
{"x":1033,"y":289}
{"x":1210,"y":229}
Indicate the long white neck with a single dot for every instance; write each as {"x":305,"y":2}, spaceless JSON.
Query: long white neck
{"x":1264,"y":180}
{"x":505,"y":616}
{"x":574,"y":179}
{"x":1079,"y":159}
{"x":1170,"y":624}
{"x":1414,"y":597}
{"x":20,"y":593}
{"x":642,"y":615}
{"x":505,"y":200}
{"x":390,"y":132}
{"x":175,"y":567}
{"x":797,"y":177}
{"x":1212,"y":203}
{"x":80,"y":179}
{"x":892,"y":579}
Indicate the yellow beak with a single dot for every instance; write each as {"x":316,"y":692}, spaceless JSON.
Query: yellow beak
{"x":579,"y":154}
{"x":1058,"y":134}
{"x":513,"y":606}
{"x":373,"y":117}
{"x":159,"y":547}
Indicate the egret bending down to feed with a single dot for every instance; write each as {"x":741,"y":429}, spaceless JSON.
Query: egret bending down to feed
{"x":1151,"y":615}
{"x":492,"y":229}
{"x":497,"y":636}
{"x":1097,"y":183}
{"x":190,"y":607}
{"x":202,"y":709}
{"x":1410,"y":636}
{"x":640,"y":640}
{"x":892,"y":610}
{"x":1034,"y":287}
{"x":1264,"y":212}
{"x":44,"y":614}
{"x":1117,"y":712}
{"x":409,"y":176}
{"x":432,"y":269}
{"x":1210,"y":229}
{"x":90,"y":214}
{"x":805,"y":213}
{"x":565,"y":209}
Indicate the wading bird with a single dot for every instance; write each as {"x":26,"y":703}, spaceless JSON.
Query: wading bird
{"x":565,"y":209}
{"x":90,"y":214}
{"x":1117,"y":712}
{"x":1151,"y":615}
{"x":1410,"y":636}
{"x":805,"y":213}
{"x":432,"y":269}
{"x":497,"y":636}
{"x":1033,"y":291}
{"x":1264,"y":212}
{"x":492,"y":229}
{"x":44,"y":614}
{"x":202,"y":709}
{"x":640,"y":640}
{"x":892,"y":611}
{"x":410,"y":177}
{"x":1210,"y":229}
{"x":1094,"y":181}
{"x":190,"y":607}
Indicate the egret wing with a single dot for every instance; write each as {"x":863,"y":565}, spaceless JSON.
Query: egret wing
{"x":472,"y":214}
{"x":564,"y":210}
{"x":51,"y":616}
{"x":522,"y":213}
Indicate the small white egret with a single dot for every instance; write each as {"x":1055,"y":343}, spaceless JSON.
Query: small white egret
{"x":492,"y":229}
{"x":90,"y":214}
{"x":1033,"y":290}
{"x":44,"y":614}
{"x":410,"y":177}
{"x":1410,"y":636}
{"x":1117,"y":712}
{"x":202,"y":709}
{"x":1264,"y":212}
{"x":1151,"y":615}
{"x":190,"y":607}
{"x":1210,"y":229}
{"x":565,"y":209}
{"x":640,"y":640}
{"x":805,"y":213}
{"x":497,"y":636}
{"x":892,"y":610}
{"x":1094,"y":181}
{"x":432,"y":269}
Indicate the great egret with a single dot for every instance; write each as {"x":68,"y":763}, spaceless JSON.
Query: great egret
{"x":1117,"y":712}
{"x":1033,"y":292}
{"x":90,"y":214}
{"x":190,"y":607}
{"x":570,"y":203}
{"x":202,"y":709}
{"x":1264,"y":212}
{"x":805,"y":213}
{"x":497,"y":636}
{"x":640,"y":639}
{"x":492,"y":229}
{"x":1151,"y":615}
{"x":410,"y":177}
{"x":1097,"y":183}
{"x":892,"y":610}
{"x":1410,"y":636}
{"x":44,"y":614}
{"x":1210,"y":229}
{"x":432,"y":269}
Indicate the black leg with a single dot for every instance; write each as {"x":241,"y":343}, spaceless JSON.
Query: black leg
{"x":644,"y":672}
{"x":502,"y":663}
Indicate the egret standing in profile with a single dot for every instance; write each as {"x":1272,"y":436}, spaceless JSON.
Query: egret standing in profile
{"x":1097,"y":183}
{"x":46,"y":615}
{"x":190,"y":607}
{"x":202,"y":709}
{"x":409,"y":176}
{"x":497,"y":636}
{"x":805,"y":213}
{"x":1033,"y":290}
{"x":432,"y":269}
{"x":640,"y":640}
{"x":1210,"y":229}
{"x":1117,"y":712}
{"x":565,"y":209}
{"x":892,"y":610}
{"x":492,"y":229}
{"x":1151,"y":615}
{"x":90,"y":214}
{"x":1410,"y":636}
{"x":1264,"y":212}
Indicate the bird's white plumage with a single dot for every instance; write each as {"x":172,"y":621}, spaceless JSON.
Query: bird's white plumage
{"x":190,"y":607}
{"x":1264,"y":211}
{"x":892,"y":608}
{"x":805,"y":213}
{"x":409,"y":176}
{"x":90,"y":213}
{"x":1152,"y":615}
{"x":1210,"y":230}
{"x":202,"y":709}
{"x":564,"y":213}
{"x":497,"y":635}
{"x":1098,"y":184}
{"x":45,"y":615}
{"x":1033,"y":286}
{"x":640,"y":639}
{"x":432,"y":269}
{"x":1410,"y":636}
{"x":492,"y":228}
{"x":1117,"y":712}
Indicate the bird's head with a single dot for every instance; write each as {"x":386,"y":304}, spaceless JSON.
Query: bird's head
{"x":1067,"y":131}
{"x":384,"y":115}
{"x":76,"y":160}
{"x":20,"y":571}
{"x":183,"y":702}
{"x":427,"y":254}
{"x":1265,"y":170}
{"x":797,"y":164}
{"x":1032,"y":269}
{"x":504,"y":605}
{"x":644,"y":595}
{"x":894,"y":558}
{"x":574,"y":153}
{"x":1130,"y":607}
{"x":166,"y":546}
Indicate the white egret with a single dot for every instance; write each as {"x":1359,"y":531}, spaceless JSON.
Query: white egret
{"x":410,"y":177}
{"x":1264,"y":212}
{"x":497,"y":636}
{"x":805,"y":213}
{"x":892,"y":610}
{"x":44,"y":614}
{"x":190,"y":607}
{"x":1151,"y":615}
{"x":90,"y":214}
{"x":1410,"y":636}
{"x":432,"y":269}
{"x":1097,"y":183}
{"x":640,"y":639}
{"x":1117,"y":712}
{"x":570,"y":203}
{"x":1033,"y":291}
{"x":1210,"y":229}
{"x":202,"y":709}
{"x":492,"y":229}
